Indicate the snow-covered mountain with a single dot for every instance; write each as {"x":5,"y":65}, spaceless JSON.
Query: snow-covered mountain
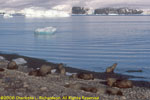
{"x":63,"y":8}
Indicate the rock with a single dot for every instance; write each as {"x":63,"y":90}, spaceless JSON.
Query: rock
{"x":45,"y":69}
{"x":111,"y":81}
{"x":43,"y":89}
{"x":25,"y":85}
{"x":20,"y":61}
{"x":24,"y":68}
{"x":131,"y":71}
{"x":111,"y":68}
{"x":124,"y":84}
{"x":12,"y":65}
{"x":113,"y":91}
{"x":85,"y":76}
{"x":1,"y":69}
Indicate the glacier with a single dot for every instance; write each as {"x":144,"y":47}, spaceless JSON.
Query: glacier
{"x":45,"y":31}
{"x":40,"y":13}
{"x":37,"y":12}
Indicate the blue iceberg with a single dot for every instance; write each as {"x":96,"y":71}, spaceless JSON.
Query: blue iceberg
{"x":45,"y":31}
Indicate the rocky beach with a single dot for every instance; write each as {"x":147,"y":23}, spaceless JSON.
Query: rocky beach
{"x":25,"y":78}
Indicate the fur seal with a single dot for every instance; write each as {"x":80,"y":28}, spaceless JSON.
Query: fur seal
{"x":12,"y":65}
{"x":111,"y":68}
{"x":119,"y":83}
{"x":89,"y":89}
{"x":34,"y":73}
{"x":80,"y":86}
{"x":113,"y":91}
{"x":73,"y":86}
{"x":74,"y":76}
{"x":1,"y":69}
{"x":124,"y":84}
{"x":61,"y":70}
{"x":45,"y":69}
{"x":92,"y":89}
{"x":111,"y":81}
{"x":85,"y":76}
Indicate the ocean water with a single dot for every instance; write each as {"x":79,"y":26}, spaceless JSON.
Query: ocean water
{"x":85,"y":42}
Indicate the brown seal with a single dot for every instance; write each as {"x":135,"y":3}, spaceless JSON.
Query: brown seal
{"x":124,"y":84}
{"x":120,"y":83}
{"x":111,"y":68}
{"x":12,"y":65}
{"x":45,"y":69}
{"x":1,"y":69}
{"x":61,"y":70}
{"x":89,"y":89}
{"x":113,"y":91}
{"x":85,"y":76}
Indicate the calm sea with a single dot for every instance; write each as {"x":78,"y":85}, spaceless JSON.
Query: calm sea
{"x":85,"y":42}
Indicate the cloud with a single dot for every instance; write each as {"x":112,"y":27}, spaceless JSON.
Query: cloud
{"x":47,"y":4}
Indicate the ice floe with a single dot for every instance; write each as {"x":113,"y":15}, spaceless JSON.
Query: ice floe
{"x":45,"y":31}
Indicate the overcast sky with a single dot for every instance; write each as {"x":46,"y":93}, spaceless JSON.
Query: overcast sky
{"x":19,"y":4}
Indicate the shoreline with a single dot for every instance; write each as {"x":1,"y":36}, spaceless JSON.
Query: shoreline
{"x":37,"y":63}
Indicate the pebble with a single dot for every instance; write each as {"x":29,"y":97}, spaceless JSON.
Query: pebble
{"x":43,"y":88}
{"x":25,"y":85}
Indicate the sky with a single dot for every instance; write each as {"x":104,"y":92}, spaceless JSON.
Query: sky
{"x":20,"y":4}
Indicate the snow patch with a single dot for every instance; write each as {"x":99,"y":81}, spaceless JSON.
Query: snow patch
{"x":53,"y":71}
{"x":7,"y":16}
{"x":69,"y":74}
{"x":146,"y":12}
{"x":20,"y":61}
{"x":2,"y":58}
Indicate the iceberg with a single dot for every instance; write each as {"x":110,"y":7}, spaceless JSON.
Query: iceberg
{"x":7,"y":16}
{"x":45,"y":31}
